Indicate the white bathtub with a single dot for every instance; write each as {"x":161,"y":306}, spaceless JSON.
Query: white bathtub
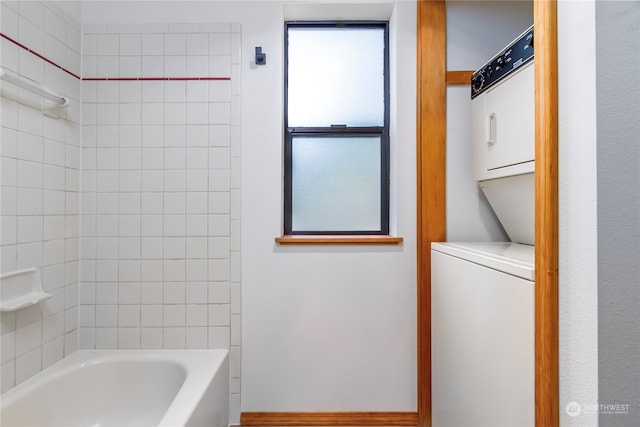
{"x":124,"y":388}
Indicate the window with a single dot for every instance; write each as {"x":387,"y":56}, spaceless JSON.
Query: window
{"x":336,"y":128}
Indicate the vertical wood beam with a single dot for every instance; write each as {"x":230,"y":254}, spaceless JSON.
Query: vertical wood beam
{"x":431,"y":175}
{"x":546,"y":214}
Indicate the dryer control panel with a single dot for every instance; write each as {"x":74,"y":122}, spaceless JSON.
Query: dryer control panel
{"x":517,"y":53}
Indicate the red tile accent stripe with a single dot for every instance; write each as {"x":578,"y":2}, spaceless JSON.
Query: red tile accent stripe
{"x":20,"y":45}
{"x":4,"y":36}
{"x":164,"y":79}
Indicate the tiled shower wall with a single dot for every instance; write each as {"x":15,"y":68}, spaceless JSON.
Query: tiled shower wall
{"x":40,"y":171}
{"x":160,"y":198}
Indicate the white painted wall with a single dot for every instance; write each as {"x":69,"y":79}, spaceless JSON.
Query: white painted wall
{"x":324,"y":328}
{"x":327,"y":329}
{"x":476,"y":30}
{"x":578,"y":287}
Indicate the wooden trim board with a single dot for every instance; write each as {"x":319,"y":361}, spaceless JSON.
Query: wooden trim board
{"x":431,"y":176}
{"x":328,"y":419}
{"x":547,"y":397}
{"x":462,"y":77}
{"x":338,"y":240}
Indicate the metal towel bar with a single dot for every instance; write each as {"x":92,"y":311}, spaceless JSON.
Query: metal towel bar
{"x":60,"y":100}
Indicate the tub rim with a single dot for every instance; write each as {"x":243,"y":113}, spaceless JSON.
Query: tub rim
{"x":200,"y":366}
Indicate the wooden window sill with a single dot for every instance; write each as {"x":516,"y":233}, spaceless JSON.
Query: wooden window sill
{"x":338,"y":240}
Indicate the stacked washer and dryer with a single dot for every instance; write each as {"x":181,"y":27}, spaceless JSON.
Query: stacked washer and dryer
{"x":482,"y":294}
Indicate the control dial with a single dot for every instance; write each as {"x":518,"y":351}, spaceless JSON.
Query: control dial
{"x":477,"y":82}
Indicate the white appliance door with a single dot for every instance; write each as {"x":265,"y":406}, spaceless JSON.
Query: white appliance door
{"x":503,"y":127}
{"x":482,"y":336}
{"x":509,"y":109}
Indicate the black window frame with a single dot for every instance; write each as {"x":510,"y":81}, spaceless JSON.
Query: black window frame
{"x":338,"y":131}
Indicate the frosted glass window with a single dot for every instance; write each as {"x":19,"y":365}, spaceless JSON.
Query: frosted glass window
{"x":336,"y":183}
{"x":336,"y":139}
{"x":336,"y":76}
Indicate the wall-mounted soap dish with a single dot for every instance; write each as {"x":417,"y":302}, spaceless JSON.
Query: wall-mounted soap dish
{"x":20,"y":289}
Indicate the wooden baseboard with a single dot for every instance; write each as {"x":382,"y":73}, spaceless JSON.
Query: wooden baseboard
{"x":329,"y":419}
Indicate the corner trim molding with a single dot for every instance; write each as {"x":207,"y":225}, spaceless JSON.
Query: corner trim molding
{"x":431,"y":146}
{"x":547,"y":382}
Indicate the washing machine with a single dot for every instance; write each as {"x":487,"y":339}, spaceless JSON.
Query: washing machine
{"x":482,"y":293}
{"x":482,"y":334}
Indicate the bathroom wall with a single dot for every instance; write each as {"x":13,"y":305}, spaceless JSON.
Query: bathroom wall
{"x":160,"y":199}
{"x":323,"y":328}
{"x":40,"y":162}
{"x":618,"y":207}
{"x":578,"y":210}
{"x":328,"y":328}
{"x":476,"y":30}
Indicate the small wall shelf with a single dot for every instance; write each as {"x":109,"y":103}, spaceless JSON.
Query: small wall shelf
{"x":20,"y":289}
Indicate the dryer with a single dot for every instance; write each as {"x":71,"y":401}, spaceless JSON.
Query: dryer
{"x":482,"y":294}
{"x":503,"y":112}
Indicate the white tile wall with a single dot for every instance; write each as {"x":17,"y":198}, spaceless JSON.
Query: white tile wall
{"x":160,"y":183}
{"x":40,"y":161}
